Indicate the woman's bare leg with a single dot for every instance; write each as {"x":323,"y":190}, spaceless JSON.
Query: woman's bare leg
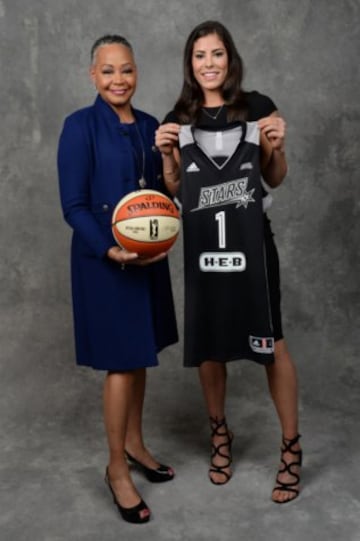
{"x":118,"y":397}
{"x":134,"y":442}
{"x":282,"y":380}
{"x":213,"y":377}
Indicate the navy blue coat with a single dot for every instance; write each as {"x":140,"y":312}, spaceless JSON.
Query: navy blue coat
{"x":122,"y":318}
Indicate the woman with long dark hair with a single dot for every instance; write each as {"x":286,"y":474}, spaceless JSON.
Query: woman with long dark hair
{"x":211,"y":111}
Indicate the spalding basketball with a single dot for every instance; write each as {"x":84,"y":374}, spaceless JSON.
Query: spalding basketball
{"x":146,"y":222}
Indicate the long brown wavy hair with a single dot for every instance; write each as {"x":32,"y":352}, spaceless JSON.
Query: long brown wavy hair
{"x":191,"y":99}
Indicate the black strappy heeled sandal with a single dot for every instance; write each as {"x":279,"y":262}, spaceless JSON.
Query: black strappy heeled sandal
{"x":287,"y":447}
{"x":220,"y":428}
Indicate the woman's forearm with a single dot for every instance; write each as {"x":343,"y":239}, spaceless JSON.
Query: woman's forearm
{"x":171,"y":172}
{"x":276,"y":169}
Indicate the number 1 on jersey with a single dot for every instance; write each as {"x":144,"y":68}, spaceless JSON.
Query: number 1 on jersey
{"x":220,"y":218}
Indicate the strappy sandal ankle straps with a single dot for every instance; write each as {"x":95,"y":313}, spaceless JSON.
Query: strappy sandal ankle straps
{"x":220,"y":428}
{"x":287,"y":447}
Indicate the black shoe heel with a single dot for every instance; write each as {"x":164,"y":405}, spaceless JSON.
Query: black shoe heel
{"x":160,"y":475}
{"x":129,"y":514}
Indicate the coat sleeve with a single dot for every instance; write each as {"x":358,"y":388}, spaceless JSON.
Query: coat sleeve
{"x":75,"y":172}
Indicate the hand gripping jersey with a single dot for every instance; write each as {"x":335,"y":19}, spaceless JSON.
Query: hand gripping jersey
{"x":227,"y":310}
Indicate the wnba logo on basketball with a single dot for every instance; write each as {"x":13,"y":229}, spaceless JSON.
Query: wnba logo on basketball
{"x":222,"y":262}
{"x":154,"y":229}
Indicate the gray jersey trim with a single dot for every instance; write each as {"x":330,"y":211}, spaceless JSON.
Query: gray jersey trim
{"x":207,"y":140}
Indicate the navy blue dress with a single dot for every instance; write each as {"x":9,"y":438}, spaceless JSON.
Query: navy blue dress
{"x":122,"y":318}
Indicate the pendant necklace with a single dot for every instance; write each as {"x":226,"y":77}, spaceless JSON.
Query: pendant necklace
{"x":213,"y":117}
{"x":142,"y":181}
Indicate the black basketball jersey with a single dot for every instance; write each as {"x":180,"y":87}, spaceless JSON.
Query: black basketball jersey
{"x":227,"y":310}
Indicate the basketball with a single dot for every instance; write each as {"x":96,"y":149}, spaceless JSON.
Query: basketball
{"x":146,"y":222}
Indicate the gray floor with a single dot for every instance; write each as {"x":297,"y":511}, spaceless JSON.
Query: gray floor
{"x":53,"y":458}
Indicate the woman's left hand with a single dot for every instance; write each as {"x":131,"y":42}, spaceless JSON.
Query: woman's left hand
{"x":142,"y":261}
{"x":274,"y":127}
{"x":131,"y":258}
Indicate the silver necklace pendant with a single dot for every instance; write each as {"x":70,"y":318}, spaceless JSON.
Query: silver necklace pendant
{"x":142,"y":182}
{"x":214,"y":117}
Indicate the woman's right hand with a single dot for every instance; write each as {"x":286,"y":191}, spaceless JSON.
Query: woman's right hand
{"x":124,"y":257}
{"x":167,"y":137}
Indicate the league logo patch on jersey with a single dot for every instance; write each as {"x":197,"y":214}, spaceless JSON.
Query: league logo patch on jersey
{"x":261,"y":344}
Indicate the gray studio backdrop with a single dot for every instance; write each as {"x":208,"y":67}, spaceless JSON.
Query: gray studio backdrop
{"x":301,"y":53}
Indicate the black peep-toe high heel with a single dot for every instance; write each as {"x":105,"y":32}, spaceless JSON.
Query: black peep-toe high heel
{"x":134,"y":514}
{"x":160,"y":475}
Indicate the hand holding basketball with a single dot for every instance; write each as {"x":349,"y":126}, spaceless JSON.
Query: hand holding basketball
{"x":124,"y":257}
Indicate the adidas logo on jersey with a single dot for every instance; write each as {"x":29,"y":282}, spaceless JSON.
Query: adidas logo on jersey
{"x":246,"y":165}
{"x":192,"y":168}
